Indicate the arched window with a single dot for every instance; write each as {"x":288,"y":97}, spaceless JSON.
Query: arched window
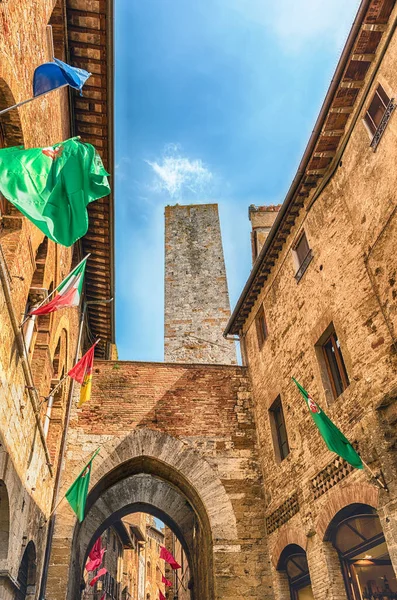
{"x":27,"y":574}
{"x":56,"y":32}
{"x":357,"y":535}
{"x":53,"y":414}
{"x":4,"y":520}
{"x":294,"y":562}
{"x":40,"y":260}
{"x":149,"y":568}
{"x":10,"y":135}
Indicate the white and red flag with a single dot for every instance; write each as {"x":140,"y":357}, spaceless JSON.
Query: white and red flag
{"x":68,"y":292}
{"x":167,"y":556}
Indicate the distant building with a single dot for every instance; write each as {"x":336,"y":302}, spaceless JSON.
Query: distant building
{"x":197,"y":305}
{"x":180,"y":578}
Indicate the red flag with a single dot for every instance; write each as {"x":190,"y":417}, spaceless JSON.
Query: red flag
{"x":97,"y":576}
{"x":167,"y":556}
{"x":95,"y":556}
{"x":85,"y":363}
{"x":166,"y":581}
{"x":161,"y":596}
{"x":104,"y":596}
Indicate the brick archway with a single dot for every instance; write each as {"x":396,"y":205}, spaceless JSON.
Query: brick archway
{"x":362,"y":493}
{"x":288,"y":535}
{"x":179,"y":457}
{"x":10,"y":123}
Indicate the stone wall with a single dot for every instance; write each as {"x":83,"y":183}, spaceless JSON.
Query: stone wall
{"x":351,"y":283}
{"x":24,"y":471}
{"x":196,"y":297}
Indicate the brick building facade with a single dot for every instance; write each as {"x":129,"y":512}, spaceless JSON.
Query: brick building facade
{"x":320,"y":306}
{"x":35,"y":357}
{"x":226,"y":456}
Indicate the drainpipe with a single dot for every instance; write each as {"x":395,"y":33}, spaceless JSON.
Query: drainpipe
{"x":47,"y":417}
{"x":29,"y":334}
{"x":51,"y":524}
{"x":62,"y":450}
{"x":32,"y":392}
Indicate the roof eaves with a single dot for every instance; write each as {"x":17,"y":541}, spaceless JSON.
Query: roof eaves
{"x":237,"y":320}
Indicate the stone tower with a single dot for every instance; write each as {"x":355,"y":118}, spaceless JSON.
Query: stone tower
{"x":262,"y":219}
{"x":196,"y":297}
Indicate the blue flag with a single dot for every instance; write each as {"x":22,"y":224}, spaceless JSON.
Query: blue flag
{"x":53,"y":75}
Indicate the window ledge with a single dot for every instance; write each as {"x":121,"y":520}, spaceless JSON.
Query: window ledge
{"x":306,"y":262}
{"x":382,"y":125}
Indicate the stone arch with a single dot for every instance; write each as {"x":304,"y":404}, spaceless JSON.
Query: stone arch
{"x":10,"y":122}
{"x":10,"y":135}
{"x":152,"y":472}
{"x":363,"y":493}
{"x":287,"y":536}
{"x":4,"y":520}
{"x":27,"y":574}
{"x":53,"y":415}
{"x":179,"y":457}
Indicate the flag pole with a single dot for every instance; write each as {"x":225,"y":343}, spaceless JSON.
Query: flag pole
{"x":58,"y":385}
{"x":53,"y":291}
{"x":93,"y":455}
{"x":375,"y":476}
{"x":61,"y":454}
{"x":6,"y":110}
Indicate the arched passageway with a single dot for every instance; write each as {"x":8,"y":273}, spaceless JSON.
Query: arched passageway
{"x":4,"y":520}
{"x":153,"y":472}
{"x":145,"y":485}
{"x":27,"y":574}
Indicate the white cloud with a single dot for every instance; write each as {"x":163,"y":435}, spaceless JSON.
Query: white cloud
{"x":298,"y":22}
{"x":178,"y":175}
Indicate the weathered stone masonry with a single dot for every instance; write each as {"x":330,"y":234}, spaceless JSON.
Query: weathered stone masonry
{"x":349,"y":282}
{"x":196,"y":297}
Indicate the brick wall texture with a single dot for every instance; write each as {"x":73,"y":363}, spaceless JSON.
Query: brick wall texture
{"x":351,"y":283}
{"x":24,"y":474}
{"x":208,"y":408}
{"x":197,"y":305}
{"x":192,"y":439}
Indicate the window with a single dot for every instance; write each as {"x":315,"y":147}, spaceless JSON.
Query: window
{"x":148,"y":569}
{"x":362,"y":549}
{"x":334,"y":363}
{"x":261,"y":327}
{"x":302,"y":256}
{"x":376,"y":109}
{"x":279,"y":430}
{"x":294,"y":562}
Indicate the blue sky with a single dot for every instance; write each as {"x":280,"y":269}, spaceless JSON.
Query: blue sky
{"x":215,"y":102}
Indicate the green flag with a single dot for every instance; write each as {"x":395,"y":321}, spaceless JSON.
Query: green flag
{"x":335,"y":440}
{"x":53,"y":186}
{"x":78,"y":491}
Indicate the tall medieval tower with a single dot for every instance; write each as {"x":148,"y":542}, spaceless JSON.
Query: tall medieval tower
{"x":197,"y":305}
